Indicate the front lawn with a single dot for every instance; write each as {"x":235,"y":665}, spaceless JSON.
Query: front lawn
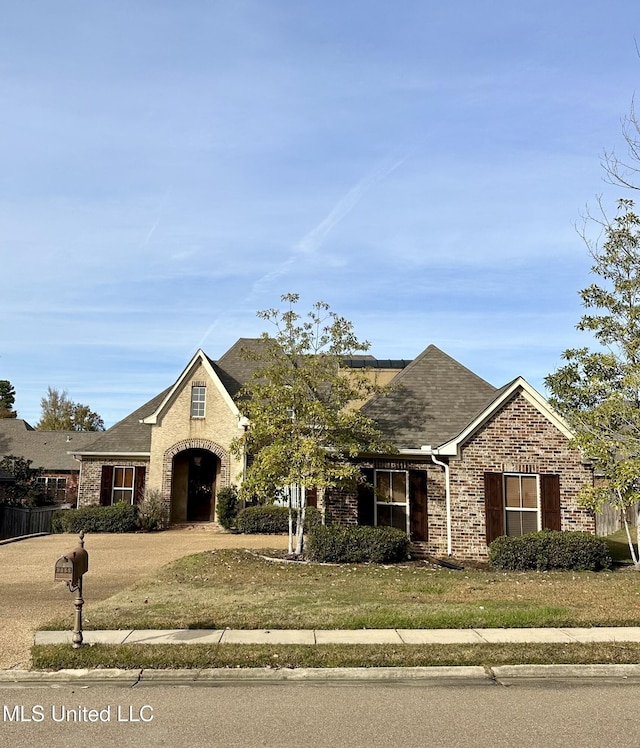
{"x":239,"y":590}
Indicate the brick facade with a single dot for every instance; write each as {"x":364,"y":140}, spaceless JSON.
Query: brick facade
{"x":91,"y":476}
{"x":517,"y":439}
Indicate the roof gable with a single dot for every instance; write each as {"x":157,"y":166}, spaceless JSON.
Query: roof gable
{"x":503,"y":396}
{"x":431,"y":401}
{"x":199,"y":359}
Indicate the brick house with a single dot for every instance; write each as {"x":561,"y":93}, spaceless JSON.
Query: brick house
{"x":473,"y":462}
{"x":48,"y":450}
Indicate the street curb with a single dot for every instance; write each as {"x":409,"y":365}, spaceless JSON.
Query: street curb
{"x":500,"y":675}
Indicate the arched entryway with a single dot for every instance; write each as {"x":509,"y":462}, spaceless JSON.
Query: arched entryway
{"x":193,"y":487}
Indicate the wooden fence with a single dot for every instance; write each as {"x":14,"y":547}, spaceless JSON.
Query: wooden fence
{"x":609,"y":519}
{"x":16,"y":521}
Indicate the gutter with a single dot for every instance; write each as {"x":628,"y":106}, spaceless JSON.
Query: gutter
{"x":109,"y":454}
{"x":447,"y":488}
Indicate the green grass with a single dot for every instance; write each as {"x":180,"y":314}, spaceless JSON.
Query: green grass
{"x":128,"y":656}
{"x":236,"y":589}
{"x":619,"y":545}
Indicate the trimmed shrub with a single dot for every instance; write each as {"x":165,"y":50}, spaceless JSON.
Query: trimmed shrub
{"x":120,"y":517}
{"x":266,"y":519}
{"x":550,"y":550}
{"x":312,"y":519}
{"x":227,"y":506}
{"x":357,"y":545}
{"x":270,"y":519}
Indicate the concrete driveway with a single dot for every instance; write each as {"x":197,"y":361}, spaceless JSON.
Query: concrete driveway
{"x":29,"y":597}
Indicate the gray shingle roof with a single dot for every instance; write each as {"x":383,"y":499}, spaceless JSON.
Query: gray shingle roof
{"x":434,"y":399}
{"x":233,"y":368}
{"x":45,"y":449}
{"x":128,"y":435}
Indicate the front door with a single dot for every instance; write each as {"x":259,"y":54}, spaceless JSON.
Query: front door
{"x":193,"y":486}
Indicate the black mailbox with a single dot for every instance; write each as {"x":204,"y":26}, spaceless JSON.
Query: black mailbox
{"x":71,"y":566}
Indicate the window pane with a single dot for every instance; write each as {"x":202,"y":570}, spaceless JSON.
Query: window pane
{"x":384,"y":515}
{"x":520,"y":523}
{"x":383,"y":486}
{"x":529,"y":492}
{"x":529,"y":522}
{"x":399,"y":517}
{"x":400,"y":487}
{"x":512,"y":490}
{"x":123,"y":477}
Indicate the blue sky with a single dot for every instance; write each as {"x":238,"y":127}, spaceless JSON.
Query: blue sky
{"x":168,"y":169}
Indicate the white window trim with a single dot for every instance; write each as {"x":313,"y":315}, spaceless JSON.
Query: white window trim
{"x":122,"y":489}
{"x":52,"y":485}
{"x":200,"y":404}
{"x":537,"y":510}
{"x":404,"y":503}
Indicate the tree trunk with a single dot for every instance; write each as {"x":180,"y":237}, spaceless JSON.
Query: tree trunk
{"x":634,"y":555}
{"x":302,"y":513}
{"x":290,"y":525}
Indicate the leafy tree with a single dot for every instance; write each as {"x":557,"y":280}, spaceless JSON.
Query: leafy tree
{"x":7,"y":399}
{"x":23,"y":488}
{"x":60,"y":413}
{"x":598,"y":391}
{"x":302,"y":433}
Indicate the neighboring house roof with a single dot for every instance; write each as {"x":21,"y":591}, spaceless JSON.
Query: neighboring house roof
{"x":46,"y":449}
{"x":5,"y":477}
{"x":431,"y":400}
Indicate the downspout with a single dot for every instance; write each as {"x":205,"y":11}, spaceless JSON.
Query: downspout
{"x":447,"y":490}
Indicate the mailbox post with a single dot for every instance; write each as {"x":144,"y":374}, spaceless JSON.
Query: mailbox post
{"x":70,"y":568}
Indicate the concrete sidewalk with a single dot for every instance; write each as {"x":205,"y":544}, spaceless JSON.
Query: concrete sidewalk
{"x":360,"y":636}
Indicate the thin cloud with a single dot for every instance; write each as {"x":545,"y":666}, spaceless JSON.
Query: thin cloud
{"x":314,"y":239}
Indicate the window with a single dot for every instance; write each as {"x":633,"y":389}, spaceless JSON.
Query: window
{"x":521,"y":504}
{"x":122,"y":483}
{"x":123,"y":480}
{"x":517,"y":503}
{"x":391,"y":491}
{"x":54,"y":488}
{"x":198,"y":397}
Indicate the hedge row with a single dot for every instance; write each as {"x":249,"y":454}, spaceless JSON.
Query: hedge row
{"x":550,"y":550}
{"x":119,"y":517}
{"x":356,"y":545}
{"x":269,"y":519}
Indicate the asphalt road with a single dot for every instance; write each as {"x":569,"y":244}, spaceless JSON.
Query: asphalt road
{"x":547,"y":715}
{"x":29,"y":596}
